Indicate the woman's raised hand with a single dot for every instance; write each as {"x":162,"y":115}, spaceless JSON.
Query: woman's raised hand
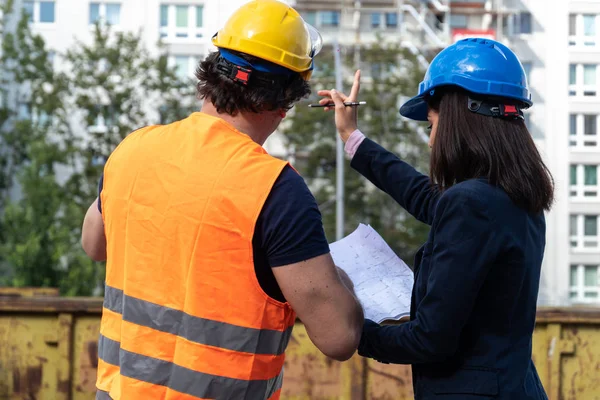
{"x":346,"y":117}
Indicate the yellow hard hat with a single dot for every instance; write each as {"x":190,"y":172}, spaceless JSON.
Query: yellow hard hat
{"x":273,"y":31}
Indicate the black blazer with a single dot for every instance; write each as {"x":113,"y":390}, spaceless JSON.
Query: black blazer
{"x":476,"y":285}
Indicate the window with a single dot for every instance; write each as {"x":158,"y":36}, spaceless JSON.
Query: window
{"x":310,"y":17}
{"x":584,"y":283}
{"x":590,"y":226}
{"x":40,"y":11}
{"x":109,"y":13}
{"x":572,"y":130}
{"x":113,"y":14}
{"x":582,"y":29}
{"x":589,"y":80}
{"x":181,"y":22}
{"x":375,"y":20}
{"x":391,"y":20}
{"x":589,"y":30}
{"x":584,"y":181}
{"x":583,"y":80}
{"x":573,"y":230}
{"x":330,"y":18}
{"x":572,"y":25}
{"x":185,"y":66}
{"x":584,"y":131}
{"x":584,"y":232}
{"x":523,"y":24}
{"x":458,"y":21}
{"x":28,"y":9}
{"x":590,"y":175}
{"x":199,"y":17}
{"x":94,"y":12}
{"x":47,"y":11}
{"x":590,"y":123}
{"x":181,"y":16}
{"x":572,"y":79}
{"x":164,"y":16}
{"x":589,"y":74}
{"x":181,"y":64}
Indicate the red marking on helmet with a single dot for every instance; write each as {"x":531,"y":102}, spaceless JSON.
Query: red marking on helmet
{"x":510,"y":109}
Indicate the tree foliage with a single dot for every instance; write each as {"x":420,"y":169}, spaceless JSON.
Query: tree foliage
{"x":392,"y":74}
{"x":37,"y":245}
{"x":53,"y":148}
{"x":117,"y":87}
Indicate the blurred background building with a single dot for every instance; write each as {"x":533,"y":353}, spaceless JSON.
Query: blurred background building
{"x":558,"y":43}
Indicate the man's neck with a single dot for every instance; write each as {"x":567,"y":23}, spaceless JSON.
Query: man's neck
{"x":247,"y":123}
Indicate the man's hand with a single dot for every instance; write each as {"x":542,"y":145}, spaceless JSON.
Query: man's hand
{"x":320,"y":295}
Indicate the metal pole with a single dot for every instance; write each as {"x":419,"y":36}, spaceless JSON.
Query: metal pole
{"x":339,"y":211}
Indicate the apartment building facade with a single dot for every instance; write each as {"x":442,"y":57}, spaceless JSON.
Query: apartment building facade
{"x":584,"y":150}
{"x":560,"y":50}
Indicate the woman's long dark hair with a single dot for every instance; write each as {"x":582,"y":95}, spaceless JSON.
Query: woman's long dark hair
{"x":469,"y":145}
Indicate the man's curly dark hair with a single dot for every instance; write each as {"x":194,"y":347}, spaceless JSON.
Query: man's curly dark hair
{"x":231,"y":97}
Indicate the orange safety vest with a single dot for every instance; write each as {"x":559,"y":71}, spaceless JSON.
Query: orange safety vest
{"x":184,"y":316}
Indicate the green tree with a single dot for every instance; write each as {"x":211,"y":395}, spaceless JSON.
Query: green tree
{"x":311,"y":137}
{"x":37,"y":245}
{"x":53,"y":150}
{"x":118,"y":87}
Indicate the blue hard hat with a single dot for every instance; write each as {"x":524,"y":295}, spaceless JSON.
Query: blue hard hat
{"x":481,"y":66}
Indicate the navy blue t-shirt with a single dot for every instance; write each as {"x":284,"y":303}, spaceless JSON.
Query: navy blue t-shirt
{"x":289,"y":229}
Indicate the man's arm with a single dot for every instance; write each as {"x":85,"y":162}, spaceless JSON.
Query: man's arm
{"x":290,"y":230}
{"x":93,"y":239}
{"x":328,"y":309}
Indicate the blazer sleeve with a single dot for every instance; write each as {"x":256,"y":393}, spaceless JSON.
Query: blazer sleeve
{"x":411,"y":189}
{"x":465,"y":245}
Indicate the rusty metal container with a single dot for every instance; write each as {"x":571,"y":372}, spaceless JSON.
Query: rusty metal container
{"x":48,"y":345}
{"x":48,"y":350}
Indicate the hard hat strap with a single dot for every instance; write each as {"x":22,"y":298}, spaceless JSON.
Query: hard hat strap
{"x":498,"y":110}
{"x":244,"y":75}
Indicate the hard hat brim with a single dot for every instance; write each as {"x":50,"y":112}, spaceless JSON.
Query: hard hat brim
{"x":415,"y":109}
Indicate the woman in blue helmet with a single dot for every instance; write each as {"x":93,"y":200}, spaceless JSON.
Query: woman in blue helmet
{"x":477,"y":276}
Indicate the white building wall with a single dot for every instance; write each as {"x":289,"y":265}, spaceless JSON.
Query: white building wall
{"x":570,"y":275}
{"x":584,"y":49}
{"x":548,"y":51}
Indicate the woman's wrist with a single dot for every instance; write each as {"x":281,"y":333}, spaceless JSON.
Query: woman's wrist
{"x":353,"y":142}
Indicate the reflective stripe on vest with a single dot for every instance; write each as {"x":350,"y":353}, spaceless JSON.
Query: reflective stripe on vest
{"x":184,"y":315}
{"x":163,"y":373}
{"x":194,"y":329}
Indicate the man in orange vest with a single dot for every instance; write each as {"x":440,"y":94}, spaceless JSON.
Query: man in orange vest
{"x":212,"y":246}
